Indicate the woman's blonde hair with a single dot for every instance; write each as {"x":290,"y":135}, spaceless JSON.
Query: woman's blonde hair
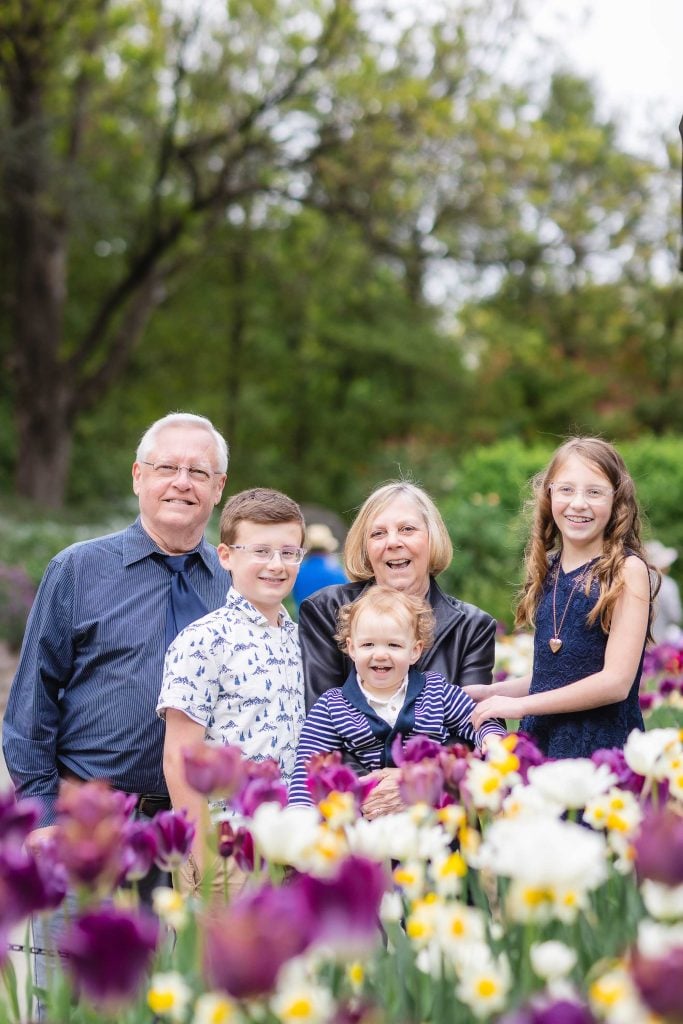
{"x":415,"y":612}
{"x":356,"y":560}
{"x":622,"y":532}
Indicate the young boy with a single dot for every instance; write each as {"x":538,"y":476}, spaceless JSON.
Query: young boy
{"x":384,"y":633}
{"x":235,"y":675}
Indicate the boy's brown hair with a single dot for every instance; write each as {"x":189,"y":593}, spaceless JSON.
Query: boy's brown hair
{"x":415,"y":612}
{"x":258,"y":505}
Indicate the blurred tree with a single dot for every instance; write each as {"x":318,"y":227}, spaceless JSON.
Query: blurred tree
{"x":128,"y":135}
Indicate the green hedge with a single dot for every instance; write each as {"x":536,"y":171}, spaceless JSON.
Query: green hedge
{"x":484,"y":513}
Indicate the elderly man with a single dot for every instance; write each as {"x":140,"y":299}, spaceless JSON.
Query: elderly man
{"x":82,"y":704}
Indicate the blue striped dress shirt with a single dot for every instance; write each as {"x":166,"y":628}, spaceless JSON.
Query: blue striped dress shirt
{"x":90,"y":669}
{"x":342,"y":719}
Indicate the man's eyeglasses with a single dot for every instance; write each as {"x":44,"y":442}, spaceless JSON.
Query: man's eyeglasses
{"x":592,"y":495}
{"x":168,"y":470}
{"x":264,"y":553}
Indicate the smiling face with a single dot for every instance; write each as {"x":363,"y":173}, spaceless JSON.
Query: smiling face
{"x":581,"y":523}
{"x":382,"y":647}
{"x":265,"y":585}
{"x":174,"y":512}
{"x":398,"y":547}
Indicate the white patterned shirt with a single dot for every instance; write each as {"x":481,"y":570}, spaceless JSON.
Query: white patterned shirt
{"x":241,"y":678}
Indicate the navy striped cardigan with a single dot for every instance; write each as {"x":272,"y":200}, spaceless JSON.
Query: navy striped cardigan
{"x":342,"y":719}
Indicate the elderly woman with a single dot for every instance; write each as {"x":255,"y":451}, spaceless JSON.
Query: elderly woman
{"x":398,"y":539}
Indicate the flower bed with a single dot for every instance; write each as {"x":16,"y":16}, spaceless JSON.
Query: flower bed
{"x":509,"y":890}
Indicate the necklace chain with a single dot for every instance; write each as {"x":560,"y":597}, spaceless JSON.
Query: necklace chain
{"x":555,"y":643}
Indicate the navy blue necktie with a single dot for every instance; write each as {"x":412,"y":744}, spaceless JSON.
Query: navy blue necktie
{"x":184,"y":603}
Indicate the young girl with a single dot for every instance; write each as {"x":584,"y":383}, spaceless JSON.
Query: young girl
{"x":384,"y":633}
{"x":588,"y":594}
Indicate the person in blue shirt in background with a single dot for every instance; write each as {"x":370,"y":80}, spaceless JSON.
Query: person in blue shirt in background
{"x":321,"y":566}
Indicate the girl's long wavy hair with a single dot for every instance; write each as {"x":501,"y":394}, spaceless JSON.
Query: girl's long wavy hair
{"x":622,"y":533}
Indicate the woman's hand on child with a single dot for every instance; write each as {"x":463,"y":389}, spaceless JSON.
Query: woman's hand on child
{"x":478,"y":691}
{"x":385,"y":797}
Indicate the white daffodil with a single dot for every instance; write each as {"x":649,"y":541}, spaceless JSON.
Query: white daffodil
{"x":484,"y":989}
{"x":338,"y":809}
{"x":168,"y":995}
{"x":391,"y":908}
{"x":552,"y":960}
{"x":458,"y":925}
{"x":571,"y":782}
{"x":614,"y":998}
{"x":618,"y":810}
{"x":323,"y":856}
{"x":664,"y":902}
{"x":485,"y":785}
{"x":284,"y":835}
{"x":447,"y":873}
{"x":170,"y":906}
{"x":545,"y":853}
{"x":215,"y":1008}
{"x":410,"y":878}
{"x":299,"y":999}
{"x":673,"y":771}
{"x":421,"y":922}
{"x":646,"y":752}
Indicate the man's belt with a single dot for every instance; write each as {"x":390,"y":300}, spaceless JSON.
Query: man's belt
{"x":148,"y":804}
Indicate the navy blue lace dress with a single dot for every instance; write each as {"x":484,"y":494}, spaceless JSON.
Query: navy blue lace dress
{"x":582,"y":653}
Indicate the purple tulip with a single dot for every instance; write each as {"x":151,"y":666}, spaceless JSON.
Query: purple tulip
{"x":660,"y":983}
{"x":247,"y":943}
{"x":236,"y":843}
{"x":528,"y":754}
{"x":140,"y":851}
{"x":616,"y":762}
{"x":215,"y":770}
{"x":174,"y":835}
{"x":108,"y":952}
{"x":257,"y":792}
{"x":17,"y":818}
{"x":659,"y":847}
{"x":453,"y":763}
{"x":90,"y":841}
{"x":647,"y":701}
{"x":345,"y":908}
{"x":29,"y":883}
{"x":668,"y":686}
{"x":421,"y":783}
{"x":561,"y":1011}
{"x":416,"y":749}
{"x":325,"y":774}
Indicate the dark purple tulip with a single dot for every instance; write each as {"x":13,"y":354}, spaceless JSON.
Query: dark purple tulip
{"x":108,"y":952}
{"x":326,"y":774}
{"x":528,"y":754}
{"x":90,"y":841}
{"x":17,"y":818}
{"x":247,"y":943}
{"x":646,"y":700}
{"x":174,"y":835}
{"x":660,"y":983}
{"x":415,"y":749}
{"x":345,"y":908}
{"x":668,"y":686}
{"x":659,"y":847}
{"x":561,"y":1011}
{"x":260,"y":791}
{"x":616,"y":762}
{"x":215,"y":770}
{"x":140,"y":850}
{"x":29,"y":883}
{"x":421,"y":783}
{"x":238,"y":844}
{"x":453,"y":763}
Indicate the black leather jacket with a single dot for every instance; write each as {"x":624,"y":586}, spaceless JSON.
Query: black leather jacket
{"x":463,"y":650}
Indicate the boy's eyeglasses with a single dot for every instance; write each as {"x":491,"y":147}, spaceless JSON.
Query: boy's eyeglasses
{"x":592,"y":495}
{"x":264,"y":553}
